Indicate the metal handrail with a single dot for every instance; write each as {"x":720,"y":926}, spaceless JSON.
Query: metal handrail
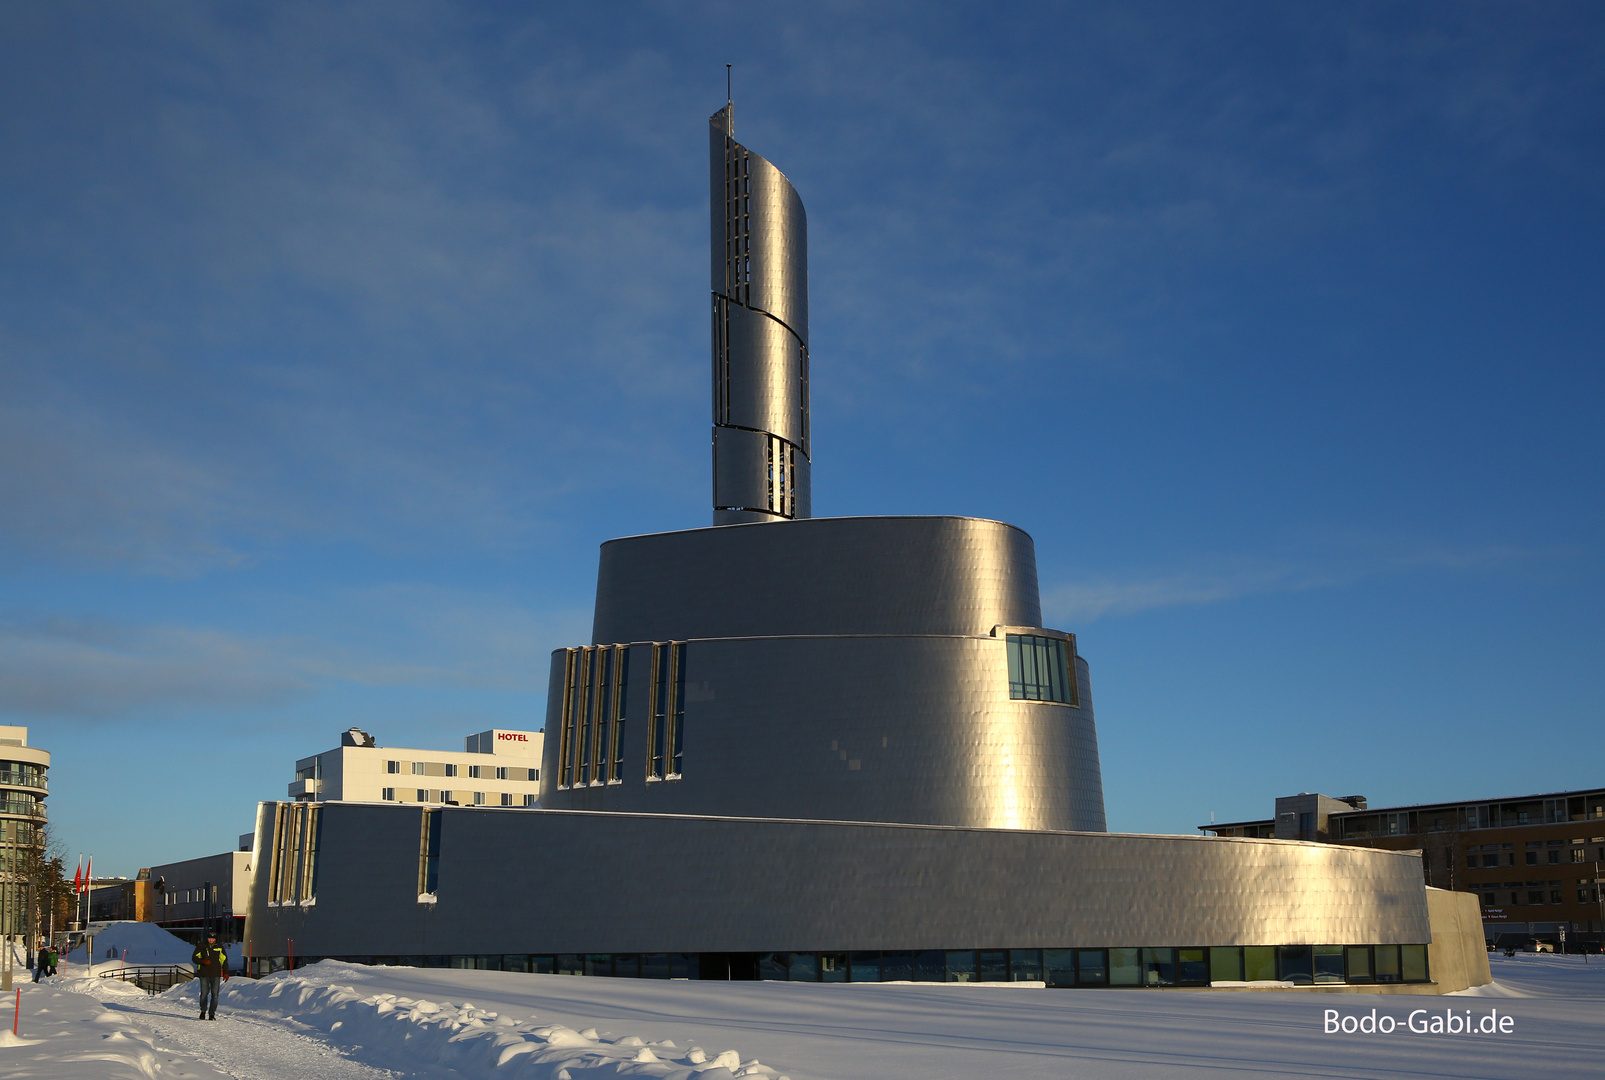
{"x":21,"y":808}
{"x":152,"y":978}
{"x":22,"y":779}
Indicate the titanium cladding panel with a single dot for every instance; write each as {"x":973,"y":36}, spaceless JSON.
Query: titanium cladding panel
{"x":759,"y":248}
{"x":863,"y":728}
{"x":866,"y":575}
{"x":581,"y":882}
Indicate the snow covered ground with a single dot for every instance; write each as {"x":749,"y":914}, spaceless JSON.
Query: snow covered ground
{"x":337,"y":1021}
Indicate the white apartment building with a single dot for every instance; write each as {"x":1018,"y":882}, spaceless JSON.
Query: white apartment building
{"x":495,"y":768}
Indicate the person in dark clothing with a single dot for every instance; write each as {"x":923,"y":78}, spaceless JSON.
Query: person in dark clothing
{"x":211,"y":967}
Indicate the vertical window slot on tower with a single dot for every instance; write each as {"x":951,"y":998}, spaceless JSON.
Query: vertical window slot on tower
{"x":621,"y":697}
{"x":678,"y":737}
{"x":604,"y":715}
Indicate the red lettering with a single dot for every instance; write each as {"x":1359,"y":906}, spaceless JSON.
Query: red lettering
{"x":512,"y":736}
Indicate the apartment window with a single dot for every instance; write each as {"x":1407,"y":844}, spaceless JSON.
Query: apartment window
{"x":1555,"y":897}
{"x":479,"y":798}
{"x":445,"y":797}
{"x":388,"y":794}
{"x":392,"y":766}
{"x":1532,"y":858}
{"x":473,"y":772}
{"x":423,"y":795}
{"x":1039,"y":669}
{"x":1535,"y":896}
{"x":1577,"y":854}
{"x":429,"y":854}
{"x":501,"y":773}
{"x":666,"y":712}
{"x":529,"y":800}
{"x":507,"y":799}
{"x":417,"y":768}
{"x":1488,"y":898}
{"x":1585,"y":896}
{"x":451,"y":770}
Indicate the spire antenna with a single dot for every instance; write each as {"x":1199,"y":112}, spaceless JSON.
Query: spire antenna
{"x":728,"y":97}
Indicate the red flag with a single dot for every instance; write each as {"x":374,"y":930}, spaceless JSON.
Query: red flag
{"x":78,"y":879}
{"x":89,"y":872}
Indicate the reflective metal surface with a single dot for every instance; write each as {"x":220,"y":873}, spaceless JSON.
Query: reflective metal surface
{"x":759,"y":247}
{"x":857,"y":728}
{"x":866,"y":575}
{"x":546,"y":881}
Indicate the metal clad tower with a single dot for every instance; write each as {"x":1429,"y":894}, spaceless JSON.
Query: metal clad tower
{"x":760,"y":335}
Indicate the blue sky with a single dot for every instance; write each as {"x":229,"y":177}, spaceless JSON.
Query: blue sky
{"x":334,"y":338}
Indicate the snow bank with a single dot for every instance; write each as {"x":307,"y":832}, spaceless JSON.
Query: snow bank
{"x":470,"y":1040}
{"x":146,"y":943}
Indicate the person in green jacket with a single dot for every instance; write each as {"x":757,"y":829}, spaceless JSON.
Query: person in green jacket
{"x":211,"y":966}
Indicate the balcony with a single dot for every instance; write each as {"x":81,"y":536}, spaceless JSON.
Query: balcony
{"x":35,"y":780}
{"x":22,"y":807}
{"x":306,"y":789}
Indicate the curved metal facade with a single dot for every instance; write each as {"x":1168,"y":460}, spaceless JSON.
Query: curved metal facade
{"x":704,"y":884}
{"x":863,"y":575}
{"x":837,"y":668}
{"x":850,"y":728}
{"x":760,"y":335}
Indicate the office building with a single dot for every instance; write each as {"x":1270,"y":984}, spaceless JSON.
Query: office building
{"x":495,"y":768}
{"x":24,"y":784}
{"x":829,"y":749}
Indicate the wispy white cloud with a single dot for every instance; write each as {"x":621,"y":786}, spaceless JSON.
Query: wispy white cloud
{"x":1094,"y":598}
{"x":95,"y":668}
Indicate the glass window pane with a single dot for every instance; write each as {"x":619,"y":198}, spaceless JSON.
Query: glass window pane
{"x":626,"y":966}
{"x":1387,"y":963}
{"x":1092,"y":967}
{"x":598,"y":963}
{"x":1159,"y":967}
{"x":570,"y":964}
{"x":1358,"y":963}
{"x":1226,"y":964}
{"x":1328,"y":963}
{"x":772,"y":967}
{"x":833,"y":967}
{"x":1293,"y":964}
{"x":655,"y":966}
{"x":803,"y":967}
{"x":866,"y":967}
{"x":1192,"y":967}
{"x":1259,"y":963}
{"x":960,"y":965}
{"x":1025,"y":965}
{"x":929,"y":966}
{"x":1124,"y":969}
{"x":992,"y":966}
{"x":1413,"y":963}
{"x":897,"y":966}
{"x":1059,"y":967}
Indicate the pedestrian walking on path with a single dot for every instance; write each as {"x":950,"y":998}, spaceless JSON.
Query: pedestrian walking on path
{"x":211,"y":969}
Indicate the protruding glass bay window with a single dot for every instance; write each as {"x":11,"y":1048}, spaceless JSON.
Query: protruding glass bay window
{"x":1040,"y":669}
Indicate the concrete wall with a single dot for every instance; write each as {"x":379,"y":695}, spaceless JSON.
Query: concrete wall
{"x":574,"y":882}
